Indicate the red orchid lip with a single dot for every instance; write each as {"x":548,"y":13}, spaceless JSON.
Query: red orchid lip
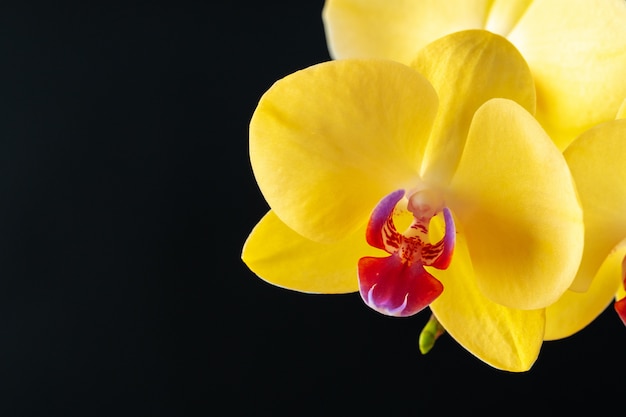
{"x":398,"y":285}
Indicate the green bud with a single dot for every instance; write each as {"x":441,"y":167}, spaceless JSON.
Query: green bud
{"x":431,"y":331}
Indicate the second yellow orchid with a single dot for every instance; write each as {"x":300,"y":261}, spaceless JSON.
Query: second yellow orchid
{"x":596,"y":160}
{"x":576,"y":49}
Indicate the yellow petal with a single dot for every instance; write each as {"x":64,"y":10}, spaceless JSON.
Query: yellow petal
{"x":504,"y":15}
{"x":283,"y":258}
{"x":597,"y":160}
{"x":515,"y":198}
{"x":621,"y":113}
{"x":328,"y":142}
{"x":577,"y":52}
{"x":467,"y":69}
{"x":621,"y":289}
{"x":504,"y":338}
{"x":575,"y":310}
{"x":395,"y":30}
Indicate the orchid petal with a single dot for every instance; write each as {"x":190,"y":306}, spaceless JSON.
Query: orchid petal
{"x":597,"y":162}
{"x":283,"y":258}
{"x":467,"y":69}
{"x":577,"y":52}
{"x":621,"y":112}
{"x":621,"y":289}
{"x":575,"y":310}
{"x":395,"y":30}
{"x":327,"y":142}
{"x":505,"y":338}
{"x":504,"y":15}
{"x":514,"y":195}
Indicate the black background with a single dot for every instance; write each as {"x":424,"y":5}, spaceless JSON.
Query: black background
{"x":126,"y":197}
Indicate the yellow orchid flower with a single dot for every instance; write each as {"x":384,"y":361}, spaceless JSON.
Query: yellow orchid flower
{"x":346,"y":152}
{"x":596,"y":160}
{"x":576,"y":49}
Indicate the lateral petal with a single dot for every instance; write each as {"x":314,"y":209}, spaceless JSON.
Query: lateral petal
{"x":284,"y":258}
{"x":328,"y":142}
{"x":468,"y":68}
{"x":597,"y":160}
{"x":504,"y":338}
{"x":578,"y":60}
{"x":575,"y":310}
{"x":515,"y":199}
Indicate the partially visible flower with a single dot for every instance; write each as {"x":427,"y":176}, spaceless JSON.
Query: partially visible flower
{"x":345,"y":141}
{"x":575,"y":310}
{"x":576,"y":49}
{"x":596,"y":160}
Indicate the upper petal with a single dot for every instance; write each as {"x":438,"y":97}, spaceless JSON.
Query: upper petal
{"x":327,"y":142}
{"x":468,"y":68}
{"x":283,"y":258}
{"x":577,"y":52}
{"x":395,"y":30}
{"x":597,"y":160}
{"x":575,"y":310}
{"x":516,"y":201}
{"x":505,"y":338}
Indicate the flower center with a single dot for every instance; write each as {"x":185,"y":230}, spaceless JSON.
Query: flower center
{"x":398,"y":285}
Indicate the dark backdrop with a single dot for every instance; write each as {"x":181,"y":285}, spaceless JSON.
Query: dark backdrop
{"x":126,"y":196}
